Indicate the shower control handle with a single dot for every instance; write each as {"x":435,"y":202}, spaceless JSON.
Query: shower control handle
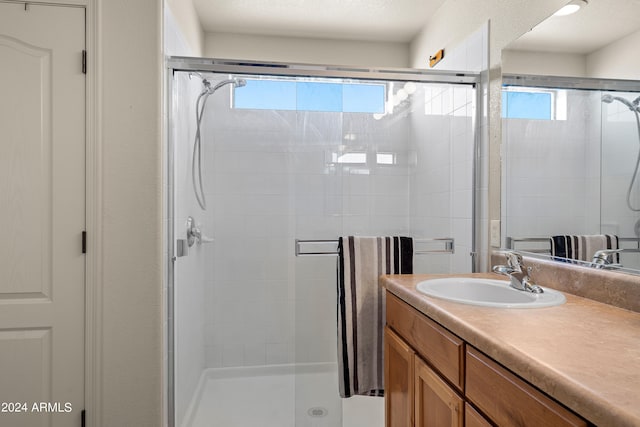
{"x":194,"y":234}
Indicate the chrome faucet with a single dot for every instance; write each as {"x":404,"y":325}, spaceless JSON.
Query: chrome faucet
{"x":604,"y":259}
{"x":516,"y":272}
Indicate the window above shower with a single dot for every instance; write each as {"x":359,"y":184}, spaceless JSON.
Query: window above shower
{"x":276,"y":94}
{"x":534,"y":103}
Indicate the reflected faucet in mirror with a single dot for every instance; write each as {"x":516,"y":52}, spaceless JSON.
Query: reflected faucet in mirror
{"x":518,"y":275}
{"x":604,"y":259}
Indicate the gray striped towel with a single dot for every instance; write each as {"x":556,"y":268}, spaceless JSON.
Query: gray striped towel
{"x":361,"y":308}
{"x":582,"y":247}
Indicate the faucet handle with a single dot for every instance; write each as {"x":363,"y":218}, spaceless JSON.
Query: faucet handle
{"x":514,"y":260}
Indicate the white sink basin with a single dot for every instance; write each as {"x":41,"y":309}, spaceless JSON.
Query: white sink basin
{"x":488,"y":293}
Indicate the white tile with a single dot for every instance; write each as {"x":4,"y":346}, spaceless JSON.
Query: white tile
{"x":232,"y":355}
{"x":214,"y":356}
{"x":278,"y":353}
{"x":254,"y":354}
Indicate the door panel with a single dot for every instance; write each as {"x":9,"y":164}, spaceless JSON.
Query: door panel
{"x":436,"y":403}
{"x":42,"y":214}
{"x":399,"y":382}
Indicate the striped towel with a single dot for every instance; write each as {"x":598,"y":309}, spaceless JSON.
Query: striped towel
{"x":361,"y":308}
{"x":582,"y":247}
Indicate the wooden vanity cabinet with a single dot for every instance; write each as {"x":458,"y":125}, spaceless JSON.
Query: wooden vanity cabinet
{"x":423,"y":375}
{"x":434,"y":379}
{"x":415,"y":395}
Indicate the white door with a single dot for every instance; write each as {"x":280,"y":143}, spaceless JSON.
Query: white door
{"x":42,"y":215}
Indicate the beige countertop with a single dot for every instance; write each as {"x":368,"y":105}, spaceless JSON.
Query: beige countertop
{"x":584,"y":353}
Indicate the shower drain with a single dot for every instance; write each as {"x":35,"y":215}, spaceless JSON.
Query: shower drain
{"x":318,"y":412}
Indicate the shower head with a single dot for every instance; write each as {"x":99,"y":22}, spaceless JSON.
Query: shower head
{"x":235,"y":82}
{"x":609,"y":99}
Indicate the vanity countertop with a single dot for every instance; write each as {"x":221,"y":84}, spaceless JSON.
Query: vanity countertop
{"x":584,"y":353}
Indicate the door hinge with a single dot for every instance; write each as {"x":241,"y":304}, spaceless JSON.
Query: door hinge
{"x":84,"y":242}
{"x":84,"y":62}
{"x":82,"y":418}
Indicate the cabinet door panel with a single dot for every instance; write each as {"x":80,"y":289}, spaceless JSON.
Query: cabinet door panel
{"x":473,"y":419}
{"x":398,"y":379}
{"x":436,"y":404}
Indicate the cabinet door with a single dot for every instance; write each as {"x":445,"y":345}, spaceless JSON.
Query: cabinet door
{"x":398,"y":380}
{"x":473,"y":419}
{"x":436,"y":404}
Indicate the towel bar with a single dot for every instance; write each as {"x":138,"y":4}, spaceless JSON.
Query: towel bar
{"x":539,"y":242}
{"x":330,"y":247}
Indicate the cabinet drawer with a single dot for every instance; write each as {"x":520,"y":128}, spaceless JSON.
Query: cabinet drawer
{"x":439,"y":347}
{"x":508,"y":400}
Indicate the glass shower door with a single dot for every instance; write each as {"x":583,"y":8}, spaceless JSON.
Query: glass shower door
{"x":255,"y":325}
{"x":620,"y":194}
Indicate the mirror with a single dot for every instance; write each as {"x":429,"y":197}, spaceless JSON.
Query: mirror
{"x":571,"y":133}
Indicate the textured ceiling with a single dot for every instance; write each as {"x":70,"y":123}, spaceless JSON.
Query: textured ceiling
{"x":374,"y":20}
{"x":594,"y":26}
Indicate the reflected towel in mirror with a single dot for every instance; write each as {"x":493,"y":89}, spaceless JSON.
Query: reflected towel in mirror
{"x":582,"y":247}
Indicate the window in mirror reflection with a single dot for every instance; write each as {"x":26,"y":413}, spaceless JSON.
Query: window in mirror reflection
{"x":534,"y":104}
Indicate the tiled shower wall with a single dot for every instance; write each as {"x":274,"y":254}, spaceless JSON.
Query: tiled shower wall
{"x":571,"y":176}
{"x":441,"y":181}
{"x":270,"y":178}
{"x":551,"y":181}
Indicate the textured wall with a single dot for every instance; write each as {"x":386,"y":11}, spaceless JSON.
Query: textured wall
{"x":130,"y":111}
{"x":301,"y":50}
{"x":187,"y":23}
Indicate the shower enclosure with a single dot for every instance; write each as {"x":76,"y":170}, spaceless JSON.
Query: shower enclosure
{"x":571,"y":155}
{"x":292,"y":158}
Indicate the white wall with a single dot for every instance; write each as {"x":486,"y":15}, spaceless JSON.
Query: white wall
{"x":301,"y":50}
{"x":619,"y":60}
{"x":615,"y":61}
{"x":544,"y":63}
{"x":129,"y":68}
{"x":188,"y":25}
{"x":456,"y":19}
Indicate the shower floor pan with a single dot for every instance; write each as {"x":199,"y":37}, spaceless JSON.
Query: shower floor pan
{"x":279,"y":396}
